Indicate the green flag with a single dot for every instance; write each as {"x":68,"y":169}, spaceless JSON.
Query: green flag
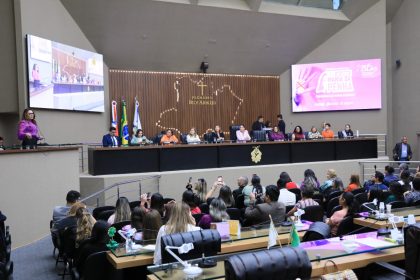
{"x":124,"y":125}
{"x":294,"y":237}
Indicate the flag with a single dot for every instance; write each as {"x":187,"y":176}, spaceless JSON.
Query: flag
{"x":294,"y":237}
{"x":124,"y":125}
{"x":272,"y":235}
{"x":114,"y":119}
{"x":136,"y":119}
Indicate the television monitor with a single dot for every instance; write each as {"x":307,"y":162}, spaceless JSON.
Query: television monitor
{"x":63,"y":77}
{"x":336,"y":86}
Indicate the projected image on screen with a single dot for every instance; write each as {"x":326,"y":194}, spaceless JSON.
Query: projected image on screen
{"x":64,"y":77}
{"x":336,"y":86}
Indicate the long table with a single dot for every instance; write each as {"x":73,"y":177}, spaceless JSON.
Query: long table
{"x":374,"y":223}
{"x":154,"y":158}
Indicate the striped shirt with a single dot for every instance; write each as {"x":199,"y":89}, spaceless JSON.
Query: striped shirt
{"x":302,"y":204}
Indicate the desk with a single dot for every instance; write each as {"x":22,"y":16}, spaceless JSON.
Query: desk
{"x":183,"y":157}
{"x":377,"y":224}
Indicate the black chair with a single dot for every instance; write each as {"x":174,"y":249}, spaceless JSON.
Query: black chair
{"x":331,"y":204}
{"x":277,"y":263}
{"x":134,"y":204}
{"x":288,"y":208}
{"x":259,"y":135}
{"x":357,"y":191}
{"x":333,"y":194}
{"x":183,"y":137}
{"x":298,"y":193}
{"x":335,"y":209}
{"x":206,"y":241}
{"x":361,"y":198}
{"x":234,"y":213}
{"x":240,"y":201}
{"x":313,"y":213}
{"x":398,"y":204}
{"x":118,"y":226}
{"x":346,"y":226}
{"x":232,"y":130}
{"x":317,"y":231}
{"x":204,"y":207}
{"x":98,"y":210}
{"x":104,"y":215}
{"x":97,"y":267}
{"x":197,"y":217}
{"x":67,"y":248}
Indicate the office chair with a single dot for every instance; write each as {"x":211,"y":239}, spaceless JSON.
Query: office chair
{"x":259,"y":135}
{"x":98,"y":210}
{"x":232,"y":129}
{"x":317,"y":231}
{"x":314,"y":213}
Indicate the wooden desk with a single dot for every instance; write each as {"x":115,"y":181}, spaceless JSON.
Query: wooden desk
{"x":376,"y":224}
{"x":227,"y":247}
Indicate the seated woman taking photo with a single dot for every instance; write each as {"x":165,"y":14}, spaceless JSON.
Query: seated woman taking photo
{"x":217,"y":214}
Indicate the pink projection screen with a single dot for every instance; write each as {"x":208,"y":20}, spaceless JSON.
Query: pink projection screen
{"x":336,"y":86}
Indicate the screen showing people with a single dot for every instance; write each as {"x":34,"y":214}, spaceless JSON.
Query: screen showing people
{"x":64,"y":77}
{"x":336,"y":86}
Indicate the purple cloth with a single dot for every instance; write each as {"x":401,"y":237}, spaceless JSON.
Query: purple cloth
{"x":26,"y":126}
{"x":205,"y":221}
{"x":275,"y":136}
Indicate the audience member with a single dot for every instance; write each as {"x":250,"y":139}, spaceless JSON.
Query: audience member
{"x":217,"y":136}
{"x":155,"y":202}
{"x":405,"y":181}
{"x":310,"y":179}
{"x":60,"y":212}
{"x":215,"y":188}
{"x":137,"y":221}
{"x":217,"y":213}
{"x":276,"y":135}
{"x":256,"y":189}
{"x":192,"y":200}
{"x":413,"y":196}
{"x":110,"y":139}
{"x":122,"y":211}
{"x":168,"y":211}
{"x":298,"y":133}
{"x":337,"y":185}
{"x":139,"y":138}
{"x":259,"y":213}
{"x":84,"y":225}
{"x":402,"y":151}
{"x":226,"y":195}
{"x":354,"y":183}
{"x":389,"y":175}
{"x":281,"y":124}
{"x":327,"y":133}
{"x":242,"y":135}
{"x":287,"y":181}
{"x":378,"y":180}
{"x":349,"y":207}
{"x":242,"y":183}
{"x":192,"y":137}
{"x":397,"y":193}
{"x":28,"y":131}
{"x":169,"y":138}
{"x":314,"y":133}
{"x":70,"y":220}
{"x":307,"y":194}
{"x":180,"y":220}
{"x":152,"y":222}
{"x":331,"y":175}
{"x":285,"y":196}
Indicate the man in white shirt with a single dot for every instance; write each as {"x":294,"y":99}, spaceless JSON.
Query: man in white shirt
{"x":286,"y":196}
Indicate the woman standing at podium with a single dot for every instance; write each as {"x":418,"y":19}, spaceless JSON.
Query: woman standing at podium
{"x":28,"y":131}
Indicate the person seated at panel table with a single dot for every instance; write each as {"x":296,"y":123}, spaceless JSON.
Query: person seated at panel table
{"x":110,"y":139}
{"x":217,"y":135}
{"x":192,"y":137}
{"x":349,"y":207}
{"x":242,"y":135}
{"x":168,"y":138}
{"x":347,"y":132}
{"x":413,"y":196}
{"x":181,"y":220}
{"x":139,"y":138}
{"x":298,"y":133}
{"x":314,"y":133}
{"x":307,"y":194}
{"x":217,"y":214}
{"x":276,"y":135}
{"x":2,"y":147}
{"x":259,"y":213}
{"x":327,"y":133}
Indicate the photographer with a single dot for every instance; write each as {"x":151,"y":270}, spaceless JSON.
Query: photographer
{"x":215,"y":189}
{"x":256,"y":189}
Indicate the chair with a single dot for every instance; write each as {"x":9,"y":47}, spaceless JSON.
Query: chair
{"x":335,"y":209}
{"x":240,"y":201}
{"x":98,"y":210}
{"x":234,"y":213}
{"x":330,"y":206}
{"x":317,"y":231}
{"x":104,"y":215}
{"x":333,"y":194}
{"x":197,"y":217}
{"x":204,"y":207}
{"x":314,"y":213}
{"x":361,"y":198}
{"x":398,"y":204}
{"x":206,"y":241}
{"x":183,"y":137}
{"x":118,"y":226}
{"x":277,"y":263}
{"x":92,"y":265}
{"x":357,"y":191}
{"x":232,"y":130}
{"x":67,"y":248}
{"x":288,"y":208}
{"x":346,"y":226}
{"x":134,"y":204}
{"x":298,"y":193}
{"x":259,"y":135}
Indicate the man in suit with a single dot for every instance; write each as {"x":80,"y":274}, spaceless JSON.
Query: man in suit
{"x":258,"y":124}
{"x":110,"y":140}
{"x":281,"y":124}
{"x":402,"y":151}
{"x":256,"y":214}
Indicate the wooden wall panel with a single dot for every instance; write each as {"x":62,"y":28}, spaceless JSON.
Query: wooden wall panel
{"x":183,"y":100}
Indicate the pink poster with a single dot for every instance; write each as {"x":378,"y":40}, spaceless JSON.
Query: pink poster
{"x":336,"y":86}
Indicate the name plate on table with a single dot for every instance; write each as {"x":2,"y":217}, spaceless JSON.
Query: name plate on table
{"x":223,"y":228}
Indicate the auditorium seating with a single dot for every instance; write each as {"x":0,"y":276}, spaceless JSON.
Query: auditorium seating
{"x":346,"y":226}
{"x":98,"y":210}
{"x":330,"y":206}
{"x":97,"y":267}
{"x":234,"y":213}
{"x":317,"y":231}
{"x":361,"y":198}
{"x":259,"y":135}
{"x":313,"y":213}
{"x":104,"y":215}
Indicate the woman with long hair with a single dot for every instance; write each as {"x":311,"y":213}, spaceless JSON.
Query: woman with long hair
{"x":226,"y":195}
{"x":349,"y":207}
{"x":28,"y":131}
{"x":310,"y":179}
{"x":192,"y":137}
{"x":84,"y":222}
{"x":354,"y":183}
{"x":298,"y":133}
{"x":122,"y":211}
{"x":217,"y":214}
{"x":180,"y":220}
{"x":152,"y":222}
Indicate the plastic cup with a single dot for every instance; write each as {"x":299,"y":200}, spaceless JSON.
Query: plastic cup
{"x":388,"y":208}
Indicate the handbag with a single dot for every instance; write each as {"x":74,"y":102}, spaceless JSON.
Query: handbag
{"x":347,"y":274}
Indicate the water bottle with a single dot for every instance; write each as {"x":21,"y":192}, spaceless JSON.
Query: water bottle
{"x":128,"y":245}
{"x":357,"y":133}
{"x":381,"y":209}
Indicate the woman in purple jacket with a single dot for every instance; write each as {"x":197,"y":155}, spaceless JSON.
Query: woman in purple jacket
{"x":276,"y":134}
{"x":28,"y":131}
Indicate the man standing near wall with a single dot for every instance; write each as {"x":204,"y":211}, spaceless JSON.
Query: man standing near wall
{"x":281,"y":124}
{"x":402,"y":151}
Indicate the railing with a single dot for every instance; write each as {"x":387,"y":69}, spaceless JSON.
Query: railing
{"x":368,"y":167}
{"x":132,"y":189}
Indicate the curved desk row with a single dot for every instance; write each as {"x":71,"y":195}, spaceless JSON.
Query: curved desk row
{"x":182,"y":157}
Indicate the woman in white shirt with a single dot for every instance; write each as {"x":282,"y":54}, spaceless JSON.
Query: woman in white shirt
{"x":180,"y":220}
{"x":192,"y":137}
{"x":242,"y":135}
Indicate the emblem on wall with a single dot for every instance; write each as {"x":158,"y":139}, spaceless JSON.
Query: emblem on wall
{"x":256,"y":154}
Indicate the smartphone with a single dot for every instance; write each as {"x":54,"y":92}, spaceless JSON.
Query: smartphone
{"x":149,"y":195}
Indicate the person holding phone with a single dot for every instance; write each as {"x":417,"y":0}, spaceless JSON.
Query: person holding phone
{"x":215,"y":189}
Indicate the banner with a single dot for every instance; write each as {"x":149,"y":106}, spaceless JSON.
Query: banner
{"x":124,"y":125}
{"x":114,"y":118}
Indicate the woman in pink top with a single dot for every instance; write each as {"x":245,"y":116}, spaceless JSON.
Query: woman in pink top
{"x":28,"y":131}
{"x":348,"y":208}
{"x":35,"y":76}
{"x":242,"y":135}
